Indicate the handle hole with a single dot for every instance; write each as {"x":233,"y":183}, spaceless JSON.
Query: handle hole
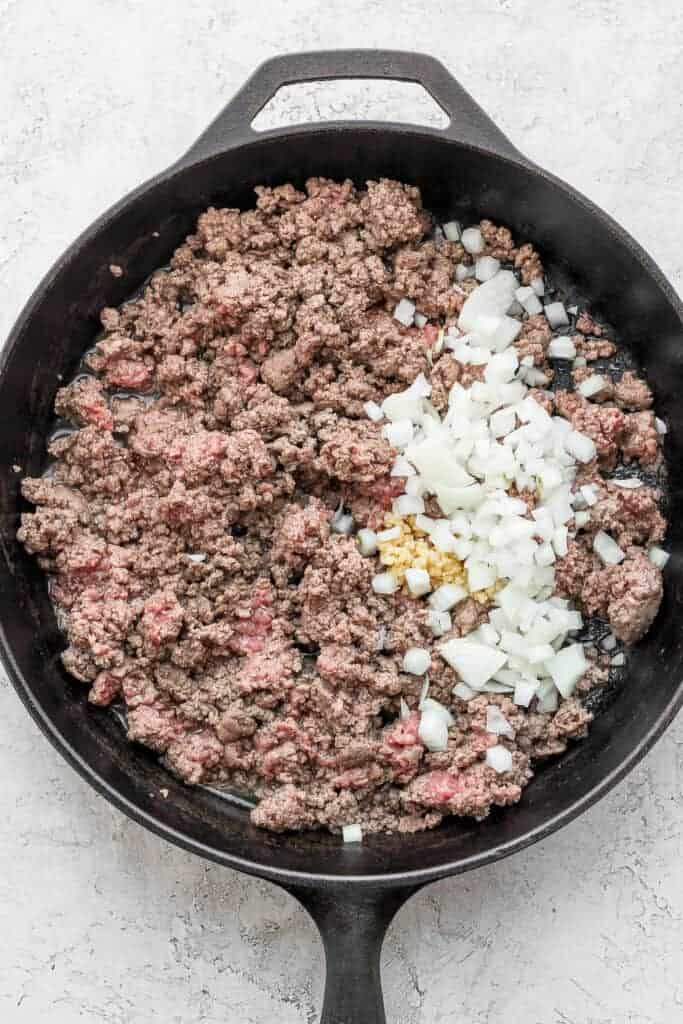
{"x":362,"y":99}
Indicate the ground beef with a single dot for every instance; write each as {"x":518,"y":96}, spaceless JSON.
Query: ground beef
{"x":186,"y":520}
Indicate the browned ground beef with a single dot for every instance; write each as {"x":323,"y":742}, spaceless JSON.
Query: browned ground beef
{"x":186,"y":528}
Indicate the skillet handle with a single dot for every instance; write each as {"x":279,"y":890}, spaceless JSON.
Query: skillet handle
{"x":468,"y":122}
{"x":352,"y":923}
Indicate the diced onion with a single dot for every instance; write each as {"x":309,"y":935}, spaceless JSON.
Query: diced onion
{"x":474,"y":663}
{"x":582,"y":519}
{"x":452,"y":230}
{"x":618,"y":660}
{"x":538,"y":285}
{"x":609,"y":642}
{"x":352,"y":834}
{"x":592,"y":385}
{"x":629,"y":483}
{"x":660,"y":426}
{"x":404,"y":312}
{"x":415,"y":487}
{"x":525,"y":691}
{"x":418,"y":582}
{"x":463,"y":271}
{"x":420,"y":320}
{"x":556,"y":315}
{"x":486,"y":267}
{"x":658,"y":556}
{"x":367,"y":541}
{"x":589,"y":494}
{"x":567,"y":667}
{"x":416,"y":661}
{"x":393,"y":533}
{"x":402,"y":467}
{"x":429,"y":704}
{"x":581,"y":447}
{"x":463,"y":691}
{"x":198,"y":557}
{"x":439,"y":622}
{"x":399,"y":434}
{"x":472,"y":240}
{"x":407,"y":505}
{"x":499,"y":758}
{"x":447,"y":596}
{"x":433,"y":730}
{"x":607,"y":549}
{"x":561,"y":348}
{"x":342,"y":523}
{"x":404,"y":710}
{"x":373,"y":410}
{"x":384,"y":583}
{"x":497,"y":723}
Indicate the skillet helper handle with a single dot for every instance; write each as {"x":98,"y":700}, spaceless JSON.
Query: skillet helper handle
{"x":352,"y":924}
{"x":468,"y":122}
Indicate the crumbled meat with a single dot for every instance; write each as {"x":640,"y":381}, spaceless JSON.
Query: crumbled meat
{"x":632,"y":393}
{"x":640,"y":441}
{"x":185,"y":522}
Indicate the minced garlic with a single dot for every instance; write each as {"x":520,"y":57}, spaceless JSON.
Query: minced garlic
{"x":413,"y":549}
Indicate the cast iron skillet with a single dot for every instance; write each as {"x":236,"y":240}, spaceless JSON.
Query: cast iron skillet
{"x":469,"y":169}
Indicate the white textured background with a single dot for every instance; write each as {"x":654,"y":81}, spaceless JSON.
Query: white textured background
{"x":100,"y":921}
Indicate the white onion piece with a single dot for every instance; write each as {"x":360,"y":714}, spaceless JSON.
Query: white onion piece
{"x":486,"y":267}
{"x":433,"y":730}
{"x":384,"y":583}
{"x":560,"y":535}
{"x":404,"y":711}
{"x":452,"y":230}
{"x":658,"y":556}
{"x":581,"y":447}
{"x":399,"y":434}
{"x":499,"y":758}
{"x":447,"y":596}
{"x":592,"y":385}
{"x":607,"y":549}
{"x":618,"y":660}
{"x":660,"y":426}
{"x":463,"y":691}
{"x":415,"y":487}
{"x":463,"y":271}
{"x":573,"y":310}
{"x":418,"y":582}
{"x":474,"y":663}
{"x":629,"y":483}
{"x":429,"y":704}
{"x":420,"y":320}
{"x":538,"y":285}
{"x":196,"y":557}
{"x":438,"y":622}
{"x":556,"y":315}
{"x":406,"y":505}
{"x":352,"y":834}
{"x":497,"y":723}
{"x":392,"y":533}
{"x":404,"y":312}
{"x":402,"y":467}
{"x":493,"y":298}
{"x":582,"y":519}
{"x":342,"y":524}
{"x":525,"y":691}
{"x":373,"y":411}
{"x":589,"y":494}
{"x":416,"y":661}
{"x":609,"y":642}
{"x":580,"y":361}
{"x":567,"y":667}
{"x":367,"y":541}
{"x":472,"y":240}
{"x":561,"y":348}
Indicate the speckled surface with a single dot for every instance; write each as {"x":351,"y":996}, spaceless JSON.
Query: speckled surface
{"x":100,"y":921}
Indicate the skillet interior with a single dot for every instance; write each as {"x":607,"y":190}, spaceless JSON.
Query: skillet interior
{"x":60,"y":322}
